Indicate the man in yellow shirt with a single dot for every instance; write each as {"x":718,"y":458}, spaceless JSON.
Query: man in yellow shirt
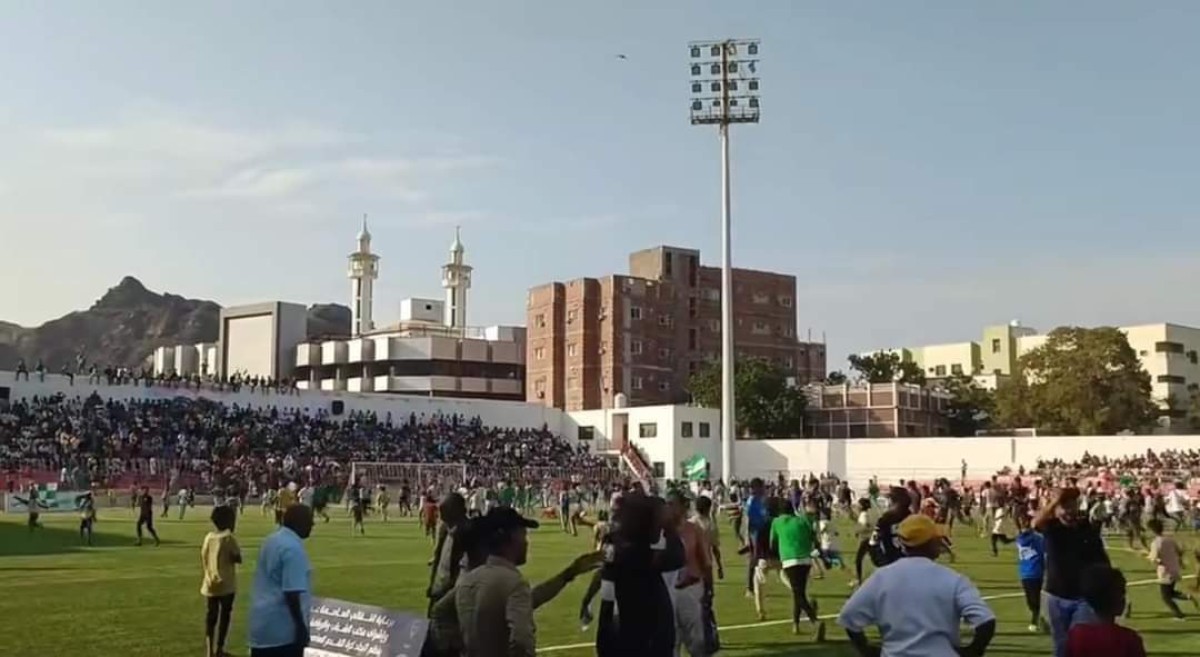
{"x":219,"y":557}
{"x":285,"y":500}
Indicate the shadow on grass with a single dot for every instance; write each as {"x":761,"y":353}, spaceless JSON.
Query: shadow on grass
{"x":16,"y":540}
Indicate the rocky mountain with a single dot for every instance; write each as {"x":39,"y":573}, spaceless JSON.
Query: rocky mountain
{"x":128,"y":323}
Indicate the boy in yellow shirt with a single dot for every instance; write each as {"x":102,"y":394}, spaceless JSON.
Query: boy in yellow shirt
{"x":219,"y":557}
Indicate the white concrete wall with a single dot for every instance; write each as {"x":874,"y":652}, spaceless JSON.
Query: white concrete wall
{"x":668,"y":446}
{"x":858,"y":460}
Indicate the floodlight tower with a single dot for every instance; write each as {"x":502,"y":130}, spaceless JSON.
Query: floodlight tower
{"x":724,"y":90}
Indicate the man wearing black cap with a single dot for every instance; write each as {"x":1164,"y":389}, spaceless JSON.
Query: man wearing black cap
{"x":494,"y":602}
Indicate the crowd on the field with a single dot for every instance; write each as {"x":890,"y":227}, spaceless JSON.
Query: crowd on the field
{"x":91,"y":440}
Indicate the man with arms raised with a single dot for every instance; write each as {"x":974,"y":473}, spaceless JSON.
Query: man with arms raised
{"x":1072,"y":546}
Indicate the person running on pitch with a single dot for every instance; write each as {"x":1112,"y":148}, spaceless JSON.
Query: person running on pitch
{"x":794,"y":537}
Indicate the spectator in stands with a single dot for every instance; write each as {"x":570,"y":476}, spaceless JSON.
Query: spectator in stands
{"x":282,"y":592}
{"x":1073,"y":545}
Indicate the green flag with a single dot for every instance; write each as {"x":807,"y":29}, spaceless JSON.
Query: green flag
{"x":695,"y":468}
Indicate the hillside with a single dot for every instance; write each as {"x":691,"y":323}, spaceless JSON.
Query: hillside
{"x":128,"y":323}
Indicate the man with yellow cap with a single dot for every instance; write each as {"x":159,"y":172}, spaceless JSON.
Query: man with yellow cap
{"x":918,"y":604}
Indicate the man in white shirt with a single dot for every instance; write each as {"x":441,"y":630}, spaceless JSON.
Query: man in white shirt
{"x":1177,"y":504}
{"x":918,"y":604}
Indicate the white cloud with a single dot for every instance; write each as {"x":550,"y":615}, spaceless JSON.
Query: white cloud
{"x":154,"y":160}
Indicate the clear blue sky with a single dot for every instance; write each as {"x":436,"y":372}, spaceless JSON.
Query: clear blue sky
{"x":923,"y":168}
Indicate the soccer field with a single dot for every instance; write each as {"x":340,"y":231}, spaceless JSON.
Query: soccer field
{"x":58,"y":598}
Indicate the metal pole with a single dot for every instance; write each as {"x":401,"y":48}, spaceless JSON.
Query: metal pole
{"x":728,"y":418}
{"x":728,"y":415}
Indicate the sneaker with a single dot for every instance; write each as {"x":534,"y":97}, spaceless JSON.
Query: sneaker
{"x":795,"y":628}
{"x":1179,"y":619}
{"x":819,"y":635}
{"x":1034,"y":629}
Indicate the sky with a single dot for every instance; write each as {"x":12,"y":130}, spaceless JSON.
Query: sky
{"x":923,"y":168}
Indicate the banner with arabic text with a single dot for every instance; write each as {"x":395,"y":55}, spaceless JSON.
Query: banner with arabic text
{"x":346,"y":629}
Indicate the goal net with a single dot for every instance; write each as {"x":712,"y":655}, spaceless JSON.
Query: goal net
{"x":442,"y":477}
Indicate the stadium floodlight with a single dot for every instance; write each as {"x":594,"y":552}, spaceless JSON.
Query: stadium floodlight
{"x":725,"y":90}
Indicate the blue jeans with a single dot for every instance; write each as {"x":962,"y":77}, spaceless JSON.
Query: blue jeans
{"x":1062,"y":614}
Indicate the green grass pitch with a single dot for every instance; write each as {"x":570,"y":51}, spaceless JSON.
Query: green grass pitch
{"x":58,"y":598}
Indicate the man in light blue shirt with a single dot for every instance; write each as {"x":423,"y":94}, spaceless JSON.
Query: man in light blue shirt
{"x":758,"y":523}
{"x":917,"y":604}
{"x":282,"y":593}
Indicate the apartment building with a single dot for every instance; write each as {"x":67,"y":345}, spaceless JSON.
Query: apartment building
{"x":644,"y":333}
{"x":1168,"y":353}
{"x":875,"y":410}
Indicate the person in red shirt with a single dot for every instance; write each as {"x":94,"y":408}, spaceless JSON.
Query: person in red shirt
{"x":1104,"y":590}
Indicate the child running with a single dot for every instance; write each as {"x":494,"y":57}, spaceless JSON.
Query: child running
{"x":1031,"y":566}
{"x":1167,"y":557}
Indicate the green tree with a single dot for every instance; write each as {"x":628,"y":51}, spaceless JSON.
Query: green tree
{"x":836,"y":378}
{"x":970,"y":407}
{"x":1080,"y":382}
{"x":767,"y":404}
{"x":886,"y":367}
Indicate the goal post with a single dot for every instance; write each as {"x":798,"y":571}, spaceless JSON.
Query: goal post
{"x":419,"y":476}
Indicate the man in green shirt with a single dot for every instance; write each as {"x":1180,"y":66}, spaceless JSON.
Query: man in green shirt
{"x":794,"y":537}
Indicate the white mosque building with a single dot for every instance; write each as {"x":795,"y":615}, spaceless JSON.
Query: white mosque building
{"x":432,"y":350}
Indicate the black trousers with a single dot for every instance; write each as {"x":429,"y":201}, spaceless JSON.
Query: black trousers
{"x":1033,"y":598}
{"x":216,"y":620}
{"x":1169,"y":596}
{"x":798,"y":578}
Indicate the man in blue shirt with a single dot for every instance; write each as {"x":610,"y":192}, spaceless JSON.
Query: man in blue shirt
{"x":1031,"y":567}
{"x":282,"y":595}
{"x":758,"y":521}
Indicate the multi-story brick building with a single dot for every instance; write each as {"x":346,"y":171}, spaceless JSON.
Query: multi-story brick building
{"x":645,"y":333}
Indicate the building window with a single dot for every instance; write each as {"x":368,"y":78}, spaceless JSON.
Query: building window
{"x":1170,"y":378}
{"x":956,"y":369}
{"x":664,"y":386}
{"x":587,"y":433}
{"x":762,"y":297}
{"x":693,"y":308}
{"x":789,"y":363}
{"x":940,"y":370}
{"x":704,"y":430}
{"x":995,"y":345}
{"x":539,"y":320}
{"x":648,"y":430}
{"x":714,"y":325}
{"x":637,"y":383}
{"x":635,"y":312}
{"x":660,"y":470}
{"x":664,"y":353}
{"x":1192,"y":356}
{"x":539,"y":385}
{"x":1168,"y":348}
{"x":712,"y":294}
{"x":571,"y":315}
{"x":761,"y":328}
{"x":664,"y":320}
{"x":787,"y":331}
{"x":539,"y":353}
{"x":635,"y":347}
{"x":693,"y":338}
{"x":785,"y":301}
{"x":685,"y":430}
